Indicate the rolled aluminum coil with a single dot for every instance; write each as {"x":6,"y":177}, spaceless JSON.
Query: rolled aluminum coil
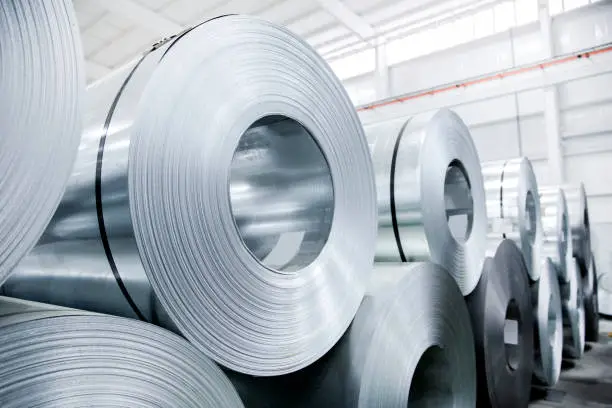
{"x":56,"y":357}
{"x":503,"y":322}
{"x":41,"y":93}
{"x":431,"y":203}
{"x":217,"y":183}
{"x":578,"y":210}
{"x":604,"y":294}
{"x":548,"y":339}
{"x":557,"y":243}
{"x":572,"y":305}
{"x":513,"y":208}
{"x":410,"y":344}
{"x":591,"y":304}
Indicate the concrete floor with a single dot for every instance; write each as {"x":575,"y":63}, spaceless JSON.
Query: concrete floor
{"x":586,"y":382}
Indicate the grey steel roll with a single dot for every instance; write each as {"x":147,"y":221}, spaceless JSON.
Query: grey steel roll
{"x":513,"y":207}
{"x":431,"y":203}
{"x":548,"y":338}
{"x":56,"y":357}
{"x":572,"y":305}
{"x":578,"y":210}
{"x":604,"y":294}
{"x":591,"y":304}
{"x":557,"y":243}
{"x":218,"y":181}
{"x":41,"y":94}
{"x":410,"y":345}
{"x":503,"y":322}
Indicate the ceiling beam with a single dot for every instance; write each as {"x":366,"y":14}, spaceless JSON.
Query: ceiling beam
{"x":142,"y":16}
{"x":349,"y":18}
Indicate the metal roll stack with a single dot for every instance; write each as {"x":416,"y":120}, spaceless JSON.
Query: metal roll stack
{"x":213,"y":194}
{"x":604,"y":293}
{"x":410,"y":344}
{"x":591,"y":303}
{"x":513,"y":208}
{"x":555,"y":225}
{"x":41,"y":89}
{"x":431,"y":203}
{"x":572,"y":304}
{"x":52,"y":356}
{"x":578,"y":212}
{"x":548,"y":339}
{"x":502,"y":320}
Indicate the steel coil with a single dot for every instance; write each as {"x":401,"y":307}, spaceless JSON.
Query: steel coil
{"x":572,"y":305}
{"x":502,"y":320}
{"x":513,"y":208}
{"x":604,"y":293}
{"x":557,"y":243}
{"x":56,"y":357}
{"x":217,"y":184}
{"x":578,"y":211}
{"x":591,"y":304}
{"x":410,"y":344}
{"x":41,"y":88}
{"x":431,"y":203}
{"x":548,"y":339}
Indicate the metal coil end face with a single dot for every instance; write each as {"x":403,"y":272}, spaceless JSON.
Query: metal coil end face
{"x":242,"y":206}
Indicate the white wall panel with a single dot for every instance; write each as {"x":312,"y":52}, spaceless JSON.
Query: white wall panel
{"x":594,"y":170}
{"x":496,"y":141}
{"x":533,"y":133}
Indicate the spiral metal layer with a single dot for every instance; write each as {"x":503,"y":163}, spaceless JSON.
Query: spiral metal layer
{"x":548,"y":339}
{"x":513,"y":207}
{"x":591,"y":304}
{"x":502,"y":320}
{"x":572,"y":305}
{"x":217,"y":184}
{"x":55,"y":357}
{"x":578,"y":210}
{"x":41,"y":89}
{"x":431,"y":203}
{"x":557,"y":243}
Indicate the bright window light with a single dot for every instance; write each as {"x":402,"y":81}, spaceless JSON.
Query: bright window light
{"x":483,"y":23}
{"x":555,"y":7}
{"x":573,"y":4}
{"x":526,"y":11}
{"x":504,"y":16}
{"x":354,"y":65}
{"x":463,"y":29}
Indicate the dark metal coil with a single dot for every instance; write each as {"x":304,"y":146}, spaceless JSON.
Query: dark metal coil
{"x":502,"y":320}
{"x":591,"y":303}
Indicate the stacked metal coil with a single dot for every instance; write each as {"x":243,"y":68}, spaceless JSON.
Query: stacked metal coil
{"x":604,"y":293}
{"x":548,"y":339}
{"x":217,"y":182}
{"x":578,"y":212}
{"x":591,"y":304}
{"x":572,"y":305}
{"x":56,"y":357}
{"x":503,"y":323}
{"x":431,"y":203}
{"x":41,"y":88}
{"x":556,"y":228}
{"x":513,"y":207}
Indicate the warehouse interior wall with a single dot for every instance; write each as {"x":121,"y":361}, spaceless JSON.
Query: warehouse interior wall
{"x":506,"y":123}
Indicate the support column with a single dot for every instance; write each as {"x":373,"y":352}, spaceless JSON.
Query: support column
{"x":552,"y":119}
{"x":381,"y":75}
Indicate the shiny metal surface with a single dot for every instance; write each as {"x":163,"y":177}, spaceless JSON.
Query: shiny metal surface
{"x":226,"y":213}
{"x":513,"y":207}
{"x":604,"y":294}
{"x":41,"y":96}
{"x":548,"y":344}
{"x":502,"y":322}
{"x":557,"y":243}
{"x":430,"y":194}
{"x":57,"y":357}
{"x":572,"y":305}
{"x":591,"y":304}
{"x":578,"y":210}
{"x":410,"y":345}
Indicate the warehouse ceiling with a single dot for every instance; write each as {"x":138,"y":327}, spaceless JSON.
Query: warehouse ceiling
{"x":114,"y":32}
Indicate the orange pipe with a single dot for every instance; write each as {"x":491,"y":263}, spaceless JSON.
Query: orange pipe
{"x":500,"y":75}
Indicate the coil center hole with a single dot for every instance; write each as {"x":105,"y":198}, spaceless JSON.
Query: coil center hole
{"x":530,"y":217}
{"x":511,"y":334}
{"x":281,"y":193}
{"x":432,"y":382}
{"x":458,"y":201}
{"x":552,"y":321}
